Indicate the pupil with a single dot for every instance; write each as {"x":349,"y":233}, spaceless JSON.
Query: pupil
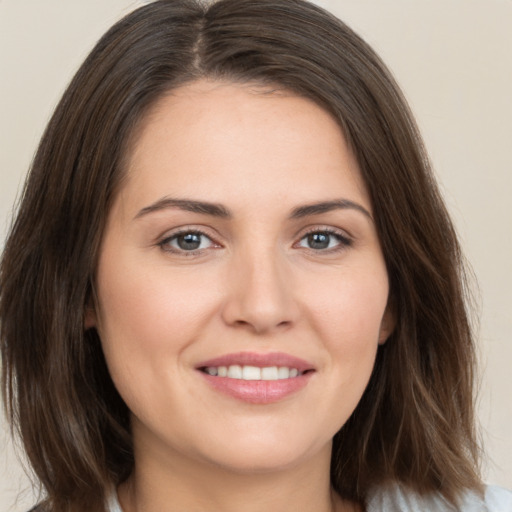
{"x":319,"y":240}
{"x":189,"y":242}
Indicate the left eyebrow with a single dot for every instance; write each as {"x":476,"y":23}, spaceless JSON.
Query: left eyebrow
{"x":328,"y":206}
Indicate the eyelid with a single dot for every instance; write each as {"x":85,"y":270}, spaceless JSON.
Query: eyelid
{"x":324,"y":228}
{"x":182,"y":230}
{"x":346,"y":240}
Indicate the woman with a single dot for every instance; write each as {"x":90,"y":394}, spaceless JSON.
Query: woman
{"x":232,"y":283}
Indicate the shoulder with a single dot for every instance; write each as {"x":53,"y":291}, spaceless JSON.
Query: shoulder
{"x":498,"y":499}
{"x":396,"y":498}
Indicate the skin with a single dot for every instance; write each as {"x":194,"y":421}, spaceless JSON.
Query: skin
{"x":255,"y":284}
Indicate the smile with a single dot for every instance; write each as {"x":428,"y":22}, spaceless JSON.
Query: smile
{"x":257,"y":378}
{"x":253,"y":372}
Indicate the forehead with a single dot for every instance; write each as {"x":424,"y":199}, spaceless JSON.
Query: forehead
{"x":209,"y":138}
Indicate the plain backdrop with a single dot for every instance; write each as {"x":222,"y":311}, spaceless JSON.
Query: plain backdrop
{"x":453,"y":59}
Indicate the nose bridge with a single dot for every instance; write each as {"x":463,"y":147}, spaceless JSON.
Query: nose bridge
{"x":261,"y":291}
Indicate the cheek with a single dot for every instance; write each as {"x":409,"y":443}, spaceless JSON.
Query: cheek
{"x":145,"y":323}
{"x":146,"y":307}
{"x":351,"y":305}
{"x":349,"y":318}
{"x":146,"y":318}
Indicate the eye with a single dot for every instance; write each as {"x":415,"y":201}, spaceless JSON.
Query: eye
{"x":187,"y":241}
{"x":324,"y":240}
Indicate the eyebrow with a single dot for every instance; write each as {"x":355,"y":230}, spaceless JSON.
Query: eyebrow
{"x":189,"y":205}
{"x":218,"y":210}
{"x":328,"y":206}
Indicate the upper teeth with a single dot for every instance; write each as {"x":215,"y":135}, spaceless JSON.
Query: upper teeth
{"x":253,"y":372}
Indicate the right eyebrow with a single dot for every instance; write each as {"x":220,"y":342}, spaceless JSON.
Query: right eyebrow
{"x":189,"y":205}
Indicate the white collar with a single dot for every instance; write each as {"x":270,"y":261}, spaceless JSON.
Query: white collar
{"x":113,"y":502}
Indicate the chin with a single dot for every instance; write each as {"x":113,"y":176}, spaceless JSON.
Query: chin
{"x":265,"y":455}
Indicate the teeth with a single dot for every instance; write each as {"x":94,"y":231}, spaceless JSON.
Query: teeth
{"x":236,"y":371}
{"x":269,"y":373}
{"x":251,"y":373}
{"x":283,"y":373}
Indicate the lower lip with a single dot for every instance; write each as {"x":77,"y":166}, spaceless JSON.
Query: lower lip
{"x":258,"y":391}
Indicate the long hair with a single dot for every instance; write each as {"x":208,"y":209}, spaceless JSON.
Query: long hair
{"x":414,"y":423}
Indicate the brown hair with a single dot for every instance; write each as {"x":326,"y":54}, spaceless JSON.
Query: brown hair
{"x":415,"y":422}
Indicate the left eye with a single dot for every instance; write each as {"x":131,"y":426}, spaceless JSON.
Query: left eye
{"x":189,"y":241}
{"x":320,"y":240}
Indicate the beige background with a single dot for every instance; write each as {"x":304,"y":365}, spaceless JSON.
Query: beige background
{"x":453,"y":59}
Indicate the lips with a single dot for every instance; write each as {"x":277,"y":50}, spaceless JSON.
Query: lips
{"x":257,"y":378}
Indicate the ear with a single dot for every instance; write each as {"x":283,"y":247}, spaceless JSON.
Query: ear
{"x":91,"y":307}
{"x":388,"y":324}
{"x":90,"y":319}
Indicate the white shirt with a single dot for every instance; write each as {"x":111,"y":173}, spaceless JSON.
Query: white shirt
{"x":396,"y":499}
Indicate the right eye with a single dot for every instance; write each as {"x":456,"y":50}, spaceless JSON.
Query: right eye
{"x":187,"y":242}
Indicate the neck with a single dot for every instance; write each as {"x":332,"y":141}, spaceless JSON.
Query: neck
{"x":163,"y":482}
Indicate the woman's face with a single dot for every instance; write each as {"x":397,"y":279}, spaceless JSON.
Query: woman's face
{"x":241,"y":286}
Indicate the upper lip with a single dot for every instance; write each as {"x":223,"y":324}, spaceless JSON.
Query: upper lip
{"x":279,"y":359}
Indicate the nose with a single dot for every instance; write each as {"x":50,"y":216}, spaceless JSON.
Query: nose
{"x":260,"y":294}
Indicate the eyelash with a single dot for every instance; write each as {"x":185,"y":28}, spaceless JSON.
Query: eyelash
{"x":343,"y":241}
{"x":165,"y":243}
